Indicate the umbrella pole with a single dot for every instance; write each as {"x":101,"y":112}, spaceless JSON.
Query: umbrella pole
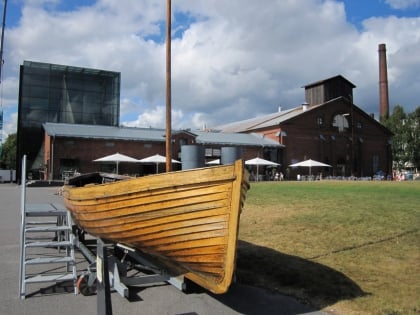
{"x":257,"y":174}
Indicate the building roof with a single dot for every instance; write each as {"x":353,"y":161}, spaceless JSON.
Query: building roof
{"x":103,"y":132}
{"x":244,"y":139}
{"x":266,"y":120}
{"x":153,"y":135}
{"x":329,"y":79}
{"x":275,"y":119}
{"x":64,"y":68}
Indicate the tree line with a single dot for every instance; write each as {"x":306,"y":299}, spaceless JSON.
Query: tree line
{"x":406,"y":140}
{"x":8,"y":152}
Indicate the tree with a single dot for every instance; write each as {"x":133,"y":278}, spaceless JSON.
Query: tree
{"x":406,"y":140}
{"x":413,"y":137}
{"x":8,"y":152}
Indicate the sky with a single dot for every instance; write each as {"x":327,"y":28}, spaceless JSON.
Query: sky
{"x":231,"y":60}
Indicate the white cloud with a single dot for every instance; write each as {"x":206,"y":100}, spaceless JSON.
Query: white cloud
{"x":155,"y":118}
{"x":152,"y":118}
{"x":233,"y":59}
{"x":9,"y":92}
{"x":199,"y":121}
{"x":9,"y":127}
{"x":403,"y":4}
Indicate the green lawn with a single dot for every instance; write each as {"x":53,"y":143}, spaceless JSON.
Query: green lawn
{"x":352,"y":247}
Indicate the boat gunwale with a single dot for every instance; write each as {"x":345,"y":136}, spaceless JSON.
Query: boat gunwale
{"x":154,"y":178}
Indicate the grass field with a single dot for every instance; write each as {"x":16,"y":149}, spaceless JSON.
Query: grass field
{"x":345,"y":247}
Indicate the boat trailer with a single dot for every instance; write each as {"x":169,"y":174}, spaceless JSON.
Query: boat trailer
{"x":119,"y":267}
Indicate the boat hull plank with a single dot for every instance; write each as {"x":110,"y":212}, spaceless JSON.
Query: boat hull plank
{"x":188,"y":220}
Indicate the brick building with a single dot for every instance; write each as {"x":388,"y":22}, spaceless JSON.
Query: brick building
{"x":328,"y":128}
{"x":73,"y":147}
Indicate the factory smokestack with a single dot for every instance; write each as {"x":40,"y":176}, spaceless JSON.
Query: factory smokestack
{"x":383,"y":84}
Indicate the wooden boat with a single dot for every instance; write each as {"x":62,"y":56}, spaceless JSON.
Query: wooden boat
{"x":187,"y":220}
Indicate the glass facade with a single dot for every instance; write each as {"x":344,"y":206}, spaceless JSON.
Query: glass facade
{"x":62,"y":94}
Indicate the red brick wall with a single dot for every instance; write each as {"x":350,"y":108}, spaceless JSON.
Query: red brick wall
{"x":83,"y":151}
{"x":306,"y":139}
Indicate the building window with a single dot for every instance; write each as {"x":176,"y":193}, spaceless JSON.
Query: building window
{"x":340,"y":121}
{"x":109,"y":144}
{"x":320,"y":121}
{"x":375,"y":164}
{"x":210,"y":152}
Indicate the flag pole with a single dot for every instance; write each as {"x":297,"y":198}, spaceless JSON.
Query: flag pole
{"x":168,"y":88}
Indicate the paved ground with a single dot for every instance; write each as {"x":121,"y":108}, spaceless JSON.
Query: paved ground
{"x":166,"y":299}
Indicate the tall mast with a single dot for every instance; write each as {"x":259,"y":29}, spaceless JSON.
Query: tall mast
{"x":1,"y":68}
{"x":168,"y":88}
{"x":2,"y":37}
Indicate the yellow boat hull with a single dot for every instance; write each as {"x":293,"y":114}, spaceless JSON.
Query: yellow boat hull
{"x":188,"y":220}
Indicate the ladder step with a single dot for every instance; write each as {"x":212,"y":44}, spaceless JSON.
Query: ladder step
{"x":50,"y":278}
{"x":48,"y":228}
{"x":42,"y":222}
{"x":49,"y":244}
{"x":49,"y":260}
{"x":44,"y":209}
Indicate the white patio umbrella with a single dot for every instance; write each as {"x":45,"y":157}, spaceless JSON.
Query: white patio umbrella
{"x":214,"y":162}
{"x":157,"y":158}
{"x":117,"y":158}
{"x":310,"y":163}
{"x":260,"y":162}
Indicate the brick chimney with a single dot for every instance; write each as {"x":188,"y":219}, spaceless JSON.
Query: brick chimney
{"x":383,"y":83}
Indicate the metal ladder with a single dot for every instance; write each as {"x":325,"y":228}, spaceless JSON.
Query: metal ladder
{"x":46,"y":240}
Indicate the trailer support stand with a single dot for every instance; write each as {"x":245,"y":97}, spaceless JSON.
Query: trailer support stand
{"x":103,"y":299}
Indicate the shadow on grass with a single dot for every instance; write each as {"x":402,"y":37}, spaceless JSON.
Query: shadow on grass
{"x":308,"y":281}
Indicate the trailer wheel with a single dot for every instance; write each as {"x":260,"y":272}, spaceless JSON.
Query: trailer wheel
{"x":84,"y":287}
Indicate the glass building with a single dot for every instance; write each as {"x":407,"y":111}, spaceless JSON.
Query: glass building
{"x":61,"y":94}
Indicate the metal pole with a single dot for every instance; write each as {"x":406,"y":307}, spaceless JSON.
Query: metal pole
{"x":51,"y":175}
{"x":2,"y":37}
{"x":1,"y":68}
{"x":103,"y":298}
{"x":22,"y":276}
{"x":352,"y":141}
{"x":352,"y":169}
{"x":168,"y":88}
